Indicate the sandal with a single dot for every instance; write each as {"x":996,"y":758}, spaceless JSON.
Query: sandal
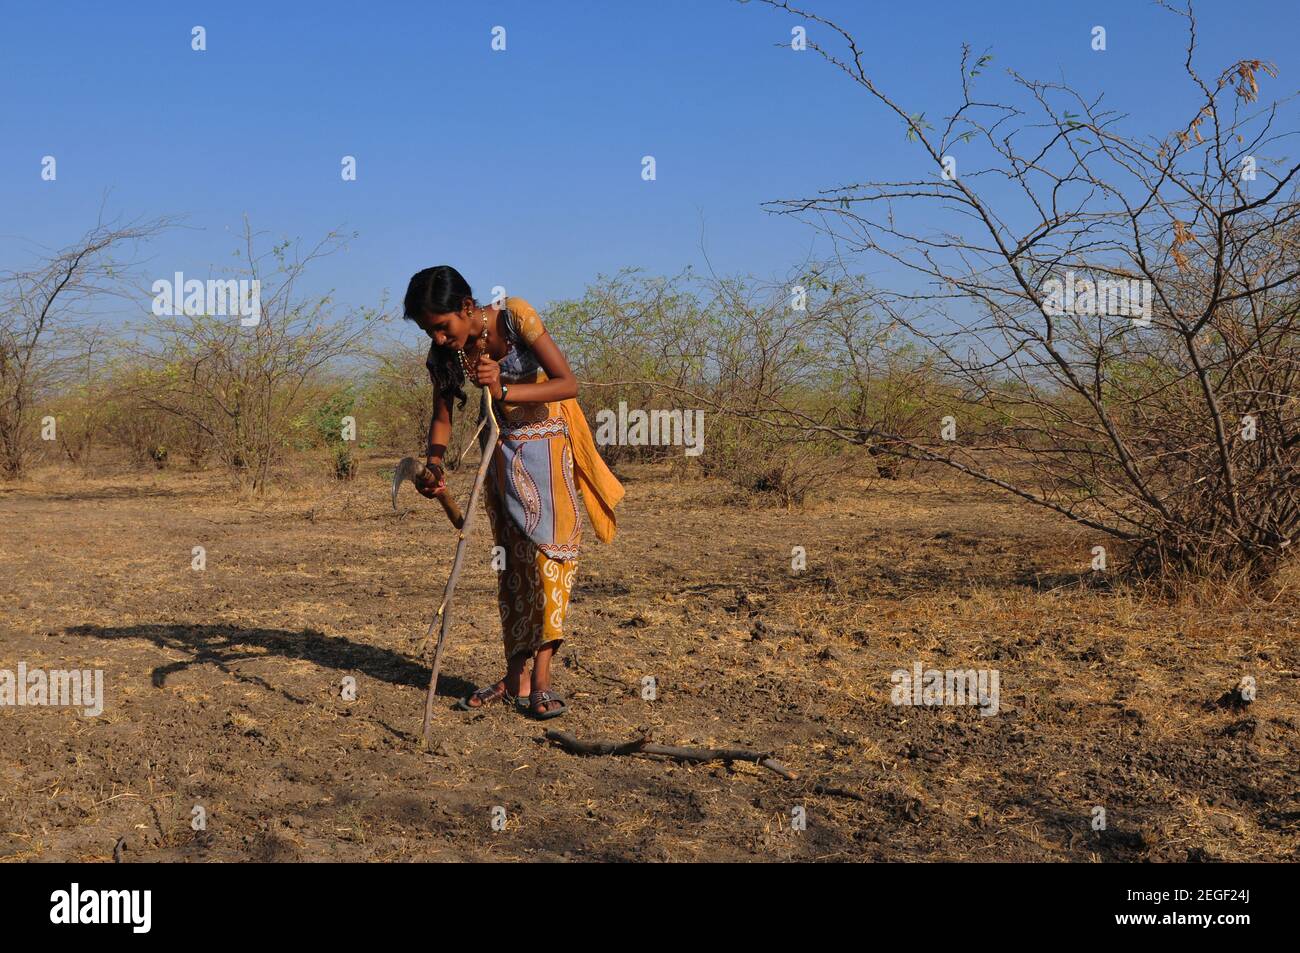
{"x":486,"y":695}
{"x":541,"y":697}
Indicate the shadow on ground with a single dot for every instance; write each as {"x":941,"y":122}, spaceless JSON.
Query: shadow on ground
{"x":222,"y":645}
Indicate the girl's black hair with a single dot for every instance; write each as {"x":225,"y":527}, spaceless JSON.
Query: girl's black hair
{"x":439,"y":290}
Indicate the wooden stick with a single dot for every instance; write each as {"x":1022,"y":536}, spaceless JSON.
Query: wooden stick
{"x":695,"y":755}
{"x":488,"y":445}
{"x":641,"y":746}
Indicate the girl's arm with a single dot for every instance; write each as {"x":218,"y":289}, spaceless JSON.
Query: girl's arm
{"x":439,"y":434}
{"x":439,"y":430}
{"x":562,"y":383}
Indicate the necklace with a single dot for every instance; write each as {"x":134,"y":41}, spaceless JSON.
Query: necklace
{"x":483,"y":346}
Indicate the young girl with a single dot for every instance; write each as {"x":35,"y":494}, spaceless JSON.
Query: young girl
{"x":544,"y":456}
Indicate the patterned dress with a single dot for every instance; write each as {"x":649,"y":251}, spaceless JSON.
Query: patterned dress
{"x":545,"y":456}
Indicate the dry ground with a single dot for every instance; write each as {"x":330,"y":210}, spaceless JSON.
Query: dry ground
{"x":223,"y":686}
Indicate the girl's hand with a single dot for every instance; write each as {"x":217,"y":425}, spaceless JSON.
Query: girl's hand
{"x":487,"y":373}
{"x":433,"y":482}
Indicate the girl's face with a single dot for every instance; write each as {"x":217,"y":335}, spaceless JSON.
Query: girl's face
{"x":451,"y":329}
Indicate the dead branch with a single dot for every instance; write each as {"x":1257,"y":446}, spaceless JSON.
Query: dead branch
{"x":643,"y":746}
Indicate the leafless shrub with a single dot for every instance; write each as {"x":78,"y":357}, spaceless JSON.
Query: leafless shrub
{"x":1180,"y":437}
{"x":43,"y":328}
{"x":243,"y":387}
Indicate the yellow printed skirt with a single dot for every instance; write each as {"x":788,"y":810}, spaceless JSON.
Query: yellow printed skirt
{"x":533,"y":589}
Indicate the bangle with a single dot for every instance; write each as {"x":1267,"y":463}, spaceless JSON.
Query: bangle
{"x":505,"y":389}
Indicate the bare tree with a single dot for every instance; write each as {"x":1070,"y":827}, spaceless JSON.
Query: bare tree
{"x":242,"y":386}
{"x":1163,"y":414}
{"x":41,"y":308}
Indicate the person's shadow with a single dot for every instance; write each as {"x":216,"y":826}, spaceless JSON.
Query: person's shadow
{"x":223,"y":645}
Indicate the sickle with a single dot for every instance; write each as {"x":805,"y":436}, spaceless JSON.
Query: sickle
{"x":413,"y":470}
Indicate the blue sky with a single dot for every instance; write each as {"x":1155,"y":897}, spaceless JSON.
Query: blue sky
{"x":522,"y":168}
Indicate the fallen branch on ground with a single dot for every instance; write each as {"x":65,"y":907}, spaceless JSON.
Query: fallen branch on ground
{"x":643,"y":746}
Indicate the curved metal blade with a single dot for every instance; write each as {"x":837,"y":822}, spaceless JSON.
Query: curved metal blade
{"x":408,"y":469}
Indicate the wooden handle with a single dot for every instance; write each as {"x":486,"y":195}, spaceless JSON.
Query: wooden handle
{"x":453,"y":511}
{"x":448,"y":504}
